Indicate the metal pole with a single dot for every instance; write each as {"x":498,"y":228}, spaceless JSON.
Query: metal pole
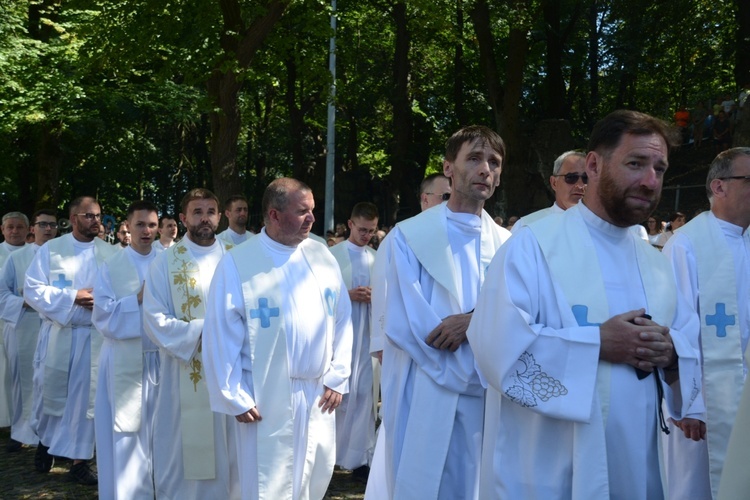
{"x":328,"y":222}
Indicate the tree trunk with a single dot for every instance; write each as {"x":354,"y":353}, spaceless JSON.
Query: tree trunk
{"x":458,"y":68}
{"x":240,"y":43}
{"x":742,"y":65}
{"x":50,"y":163}
{"x":402,"y":117}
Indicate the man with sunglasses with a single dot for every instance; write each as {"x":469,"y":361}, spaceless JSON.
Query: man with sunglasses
{"x":434,"y":189}
{"x":710,"y":258}
{"x":568,"y":181}
{"x":576,"y":333}
{"x":21,"y":328}
{"x":434,"y":263}
{"x":58,"y":284}
{"x":355,"y":418}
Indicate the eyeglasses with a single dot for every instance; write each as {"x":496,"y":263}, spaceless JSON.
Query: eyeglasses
{"x":444,"y":196}
{"x":364,"y":231}
{"x":572,"y":178}
{"x":738,"y":177}
{"x":90,"y":216}
{"x":45,"y":225}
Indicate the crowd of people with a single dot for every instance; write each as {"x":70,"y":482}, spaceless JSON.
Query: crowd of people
{"x":581,"y":355}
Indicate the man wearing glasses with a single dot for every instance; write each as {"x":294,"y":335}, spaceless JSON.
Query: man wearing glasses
{"x":435,"y":189}
{"x":355,"y":419}
{"x":710,"y":258}
{"x":59,"y":285}
{"x":568,"y":181}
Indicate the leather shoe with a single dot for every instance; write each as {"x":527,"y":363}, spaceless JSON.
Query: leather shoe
{"x":82,"y":474}
{"x":42,"y":460}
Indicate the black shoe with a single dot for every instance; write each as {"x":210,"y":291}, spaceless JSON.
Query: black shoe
{"x":361,"y":474}
{"x":42,"y":460}
{"x":13,"y":446}
{"x":82,"y":474}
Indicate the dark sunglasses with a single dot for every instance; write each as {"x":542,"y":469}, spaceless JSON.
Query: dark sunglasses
{"x":573,"y":178}
{"x":444,"y":196}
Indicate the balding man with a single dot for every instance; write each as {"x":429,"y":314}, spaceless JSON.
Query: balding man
{"x":710,"y":257}
{"x":277,"y":347}
{"x":568,"y":181}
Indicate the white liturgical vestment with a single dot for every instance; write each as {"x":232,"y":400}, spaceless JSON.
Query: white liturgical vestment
{"x":355,"y":418}
{"x":561,"y":423}
{"x":67,"y":353}
{"x":21,"y":332}
{"x":128,"y":378}
{"x":194,"y":454}
{"x":710,"y":258}
{"x":6,"y":391}
{"x":232,"y":237}
{"x":277,"y":333}
{"x":433,"y":399}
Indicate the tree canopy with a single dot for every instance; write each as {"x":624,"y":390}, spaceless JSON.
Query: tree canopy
{"x":129,"y":99}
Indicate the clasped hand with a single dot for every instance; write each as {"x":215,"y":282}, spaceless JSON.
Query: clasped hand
{"x":450,"y":333}
{"x":631,"y":339}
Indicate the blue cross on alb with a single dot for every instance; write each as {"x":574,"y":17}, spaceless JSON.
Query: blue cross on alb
{"x":720,"y":320}
{"x":264,"y":312}
{"x":581,"y":314}
{"x":61,"y":282}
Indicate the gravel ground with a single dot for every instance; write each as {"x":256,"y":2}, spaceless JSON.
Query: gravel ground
{"x":21,"y":481}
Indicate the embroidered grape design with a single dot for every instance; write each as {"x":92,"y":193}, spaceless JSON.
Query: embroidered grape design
{"x":546,"y":387}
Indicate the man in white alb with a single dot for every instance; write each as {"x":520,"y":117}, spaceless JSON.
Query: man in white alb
{"x":22,"y":328}
{"x":167,"y":233}
{"x":128,"y":365}
{"x":433,"y":397}
{"x":123,"y":235}
{"x":710,"y":257}
{"x":15,"y":227}
{"x":561,"y":335}
{"x":355,"y":418}
{"x":236,"y":212}
{"x":568,"y":181}
{"x":58,"y":285}
{"x":277,"y":349}
{"x":194,"y":454}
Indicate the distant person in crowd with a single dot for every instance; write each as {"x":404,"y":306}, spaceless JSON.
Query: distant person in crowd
{"x":167,"y":233}
{"x":355,"y":418}
{"x":568,"y":182}
{"x":236,"y":211}
{"x":434,"y":189}
{"x":676,"y":221}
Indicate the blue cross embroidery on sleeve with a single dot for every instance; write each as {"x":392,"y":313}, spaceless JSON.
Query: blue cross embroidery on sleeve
{"x":61,"y":282}
{"x":581,"y":314}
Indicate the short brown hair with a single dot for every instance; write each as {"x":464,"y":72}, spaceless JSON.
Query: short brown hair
{"x":277,"y":193}
{"x":608,"y":131}
{"x":470,"y":134}
{"x":197,"y":194}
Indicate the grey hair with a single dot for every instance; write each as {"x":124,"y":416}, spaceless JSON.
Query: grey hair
{"x":720,"y":167}
{"x":16,"y":215}
{"x":560,"y":159}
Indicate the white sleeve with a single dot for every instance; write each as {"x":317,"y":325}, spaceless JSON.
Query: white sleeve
{"x":11,"y":305}
{"x":54,"y":303}
{"x":523,"y":334}
{"x":116,"y":319}
{"x":180,"y":338}
{"x":340,"y":367}
{"x":226,"y":349}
